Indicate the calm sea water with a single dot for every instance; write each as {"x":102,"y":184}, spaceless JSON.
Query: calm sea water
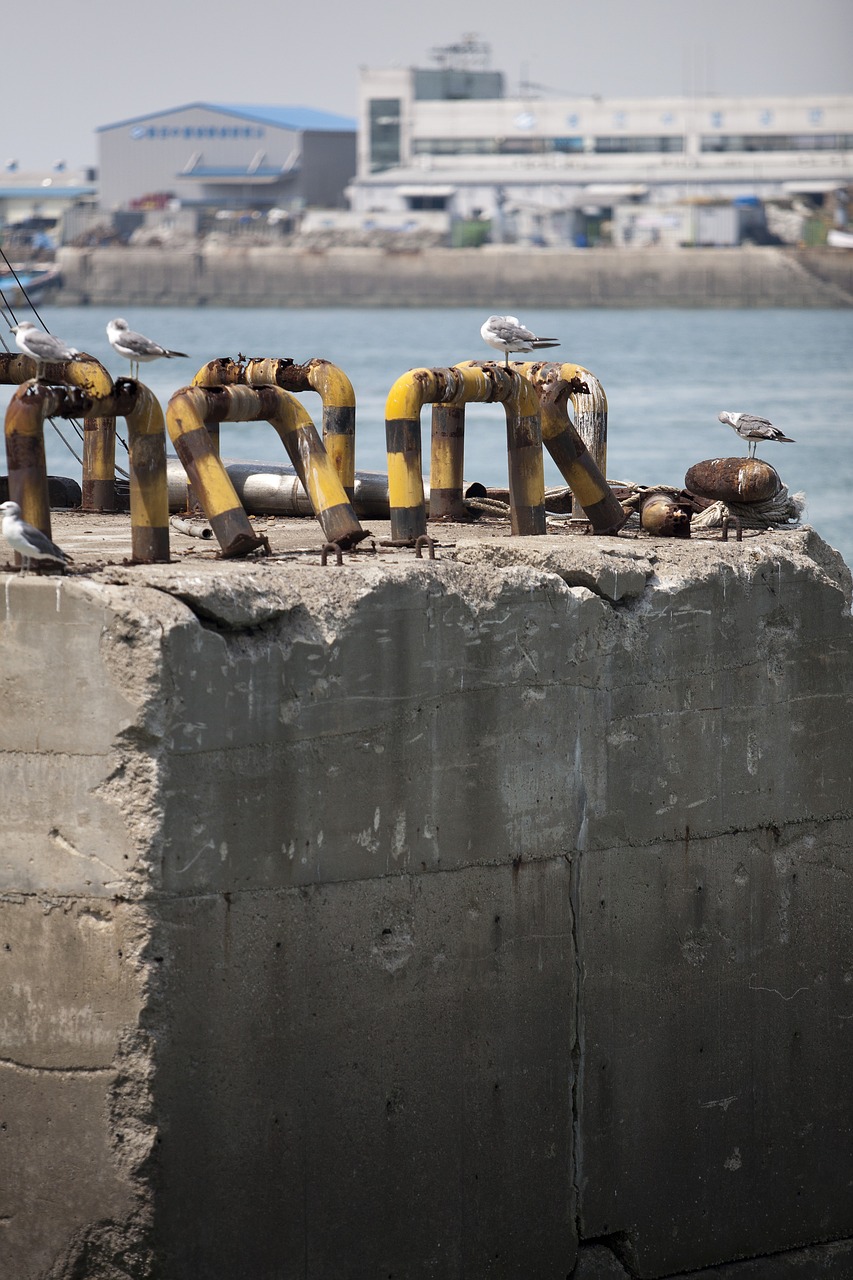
{"x":667,"y":374}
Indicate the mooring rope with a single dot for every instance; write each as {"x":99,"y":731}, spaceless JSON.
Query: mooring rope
{"x":783,"y":509}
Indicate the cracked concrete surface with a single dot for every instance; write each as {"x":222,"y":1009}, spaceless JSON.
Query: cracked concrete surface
{"x":447,"y":914}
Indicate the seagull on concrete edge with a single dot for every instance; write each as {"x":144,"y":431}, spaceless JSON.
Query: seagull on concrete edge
{"x":42,"y":347}
{"x":753,"y":429}
{"x":27,"y":540}
{"x":507,"y":333}
{"x":135,"y":347}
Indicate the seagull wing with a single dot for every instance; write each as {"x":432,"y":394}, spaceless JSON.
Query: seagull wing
{"x":512,"y":330}
{"x":751,"y":422}
{"x":43,"y":346}
{"x":42,"y":543}
{"x":135,"y":346}
{"x":761,"y":428}
{"x":29,"y":541}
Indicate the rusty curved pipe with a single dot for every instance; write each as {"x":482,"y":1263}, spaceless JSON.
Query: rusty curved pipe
{"x":99,"y":434}
{"x":568,"y":445}
{"x":149,"y":500}
{"x":187,"y":414}
{"x":331,"y":384}
{"x":456,"y":386}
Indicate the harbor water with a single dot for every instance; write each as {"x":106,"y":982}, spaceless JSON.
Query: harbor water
{"x":667,"y":375}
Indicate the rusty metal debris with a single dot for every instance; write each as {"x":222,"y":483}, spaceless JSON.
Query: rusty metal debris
{"x":425,"y":541}
{"x":336,"y":551}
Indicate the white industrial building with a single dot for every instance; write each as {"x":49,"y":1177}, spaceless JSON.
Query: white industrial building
{"x":43,"y":196}
{"x":549,"y":169}
{"x":227,"y":157}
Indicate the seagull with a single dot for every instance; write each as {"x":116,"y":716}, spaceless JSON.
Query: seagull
{"x":29,"y":542}
{"x":753,"y":429}
{"x":134,"y":346}
{"x":507,"y":333}
{"x":42,"y":347}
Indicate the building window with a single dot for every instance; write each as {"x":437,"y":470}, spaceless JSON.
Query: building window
{"x":776,"y":142}
{"x":426,"y":202}
{"x":384,"y":133}
{"x":493,"y":146}
{"x":621,"y":144}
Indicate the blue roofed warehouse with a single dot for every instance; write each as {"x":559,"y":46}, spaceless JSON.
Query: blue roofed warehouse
{"x":225,"y":156}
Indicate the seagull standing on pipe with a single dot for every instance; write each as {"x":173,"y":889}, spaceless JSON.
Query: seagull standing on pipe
{"x":752,"y":429}
{"x":507,"y":333}
{"x":135,"y":347}
{"x":29,"y":542}
{"x":42,"y":347}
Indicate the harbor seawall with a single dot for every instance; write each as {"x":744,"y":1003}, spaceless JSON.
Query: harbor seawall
{"x":458,"y":918}
{"x":497,"y":278}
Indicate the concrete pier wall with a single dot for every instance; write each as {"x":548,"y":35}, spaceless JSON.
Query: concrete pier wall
{"x":480,"y":917}
{"x":496,"y":277}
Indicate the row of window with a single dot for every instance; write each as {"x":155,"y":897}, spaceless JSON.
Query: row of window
{"x":621,"y":144}
{"x":196,"y":131}
{"x":778,"y":142}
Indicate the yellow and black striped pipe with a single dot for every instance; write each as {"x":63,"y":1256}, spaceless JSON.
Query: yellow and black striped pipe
{"x":446,"y":463}
{"x":461,"y":384}
{"x":99,"y":434}
{"x":555,"y":384}
{"x":314,"y":466}
{"x":149,"y":502}
{"x":25,"y":458}
{"x":331,"y":384}
{"x":186,"y":415}
{"x":149,"y":492}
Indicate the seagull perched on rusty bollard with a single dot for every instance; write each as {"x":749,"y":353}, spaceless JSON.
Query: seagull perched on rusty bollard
{"x":42,"y":347}
{"x":507,"y":333}
{"x":29,"y":542}
{"x":752,"y":429}
{"x":135,"y":347}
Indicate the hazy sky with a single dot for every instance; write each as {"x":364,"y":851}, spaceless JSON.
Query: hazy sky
{"x":80,"y":66}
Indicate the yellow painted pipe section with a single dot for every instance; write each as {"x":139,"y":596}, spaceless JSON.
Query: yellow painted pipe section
{"x":185,"y":414}
{"x":590,"y":407}
{"x":24,"y":430}
{"x":149,"y":493}
{"x":331,"y":384}
{"x":445,"y":471}
{"x":299,"y":435}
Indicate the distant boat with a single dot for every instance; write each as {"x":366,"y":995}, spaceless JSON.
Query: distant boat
{"x":28,"y":284}
{"x":839,"y":239}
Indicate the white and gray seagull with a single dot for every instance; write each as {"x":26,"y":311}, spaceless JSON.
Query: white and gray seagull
{"x":42,"y":347}
{"x":753,"y":429}
{"x":29,"y":542}
{"x":135,"y":347}
{"x":507,"y":333}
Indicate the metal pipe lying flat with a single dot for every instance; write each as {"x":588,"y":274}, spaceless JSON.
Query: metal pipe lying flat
{"x":274,"y":489}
